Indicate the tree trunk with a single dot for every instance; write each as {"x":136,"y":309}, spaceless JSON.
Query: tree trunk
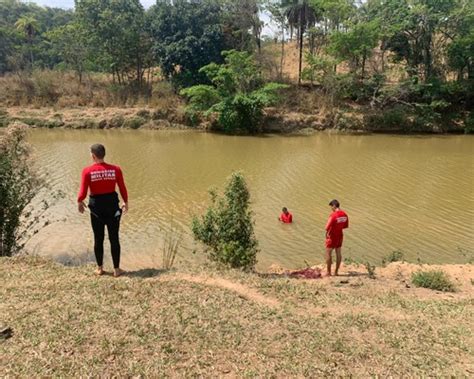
{"x":282,"y":49}
{"x":364,"y":57}
{"x":301,"y":55}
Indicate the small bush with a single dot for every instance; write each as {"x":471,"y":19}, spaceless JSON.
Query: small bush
{"x":144,"y":113}
{"x":435,"y":280}
{"x":117,"y":121}
{"x":134,"y":122}
{"x":370,"y":270}
{"x":4,"y":118}
{"x":227,"y":226}
{"x":171,"y":246}
{"x":394,"y":256}
{"x":469,"y":124}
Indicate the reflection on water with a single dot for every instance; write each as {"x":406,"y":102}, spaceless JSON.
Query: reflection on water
{"x":414,"y":194}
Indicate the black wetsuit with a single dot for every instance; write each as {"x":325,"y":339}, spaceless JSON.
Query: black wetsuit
{"x":105,"y":211}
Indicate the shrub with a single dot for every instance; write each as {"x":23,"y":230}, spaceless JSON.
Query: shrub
{"x":370,"y":270}
{"x":435,"y":280}
{"x":227,"y":226}
{"x":237,"y":94}
{"x":469,"y":124}
{"x":134,"y":122}
{"x":117,"y":121}
{"x":394,"y":256}
{"x":18,"y":186}
{"x":4,"y":118}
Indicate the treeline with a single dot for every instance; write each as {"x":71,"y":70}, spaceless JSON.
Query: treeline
{"x":411,"y":56}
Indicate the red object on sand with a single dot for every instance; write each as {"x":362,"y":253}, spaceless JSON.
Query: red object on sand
{"x":307,"y":273}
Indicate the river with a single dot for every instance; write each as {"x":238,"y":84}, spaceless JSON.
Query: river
{"x":414,"y":194}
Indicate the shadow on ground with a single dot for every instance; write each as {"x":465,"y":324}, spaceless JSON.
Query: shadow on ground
{"x":145,"y":273}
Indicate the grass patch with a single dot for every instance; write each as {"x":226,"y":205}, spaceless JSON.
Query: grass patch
{"x":435,"y":280}
{"x":394,"y":256}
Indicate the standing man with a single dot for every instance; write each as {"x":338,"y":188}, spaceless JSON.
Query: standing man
{"x":100,"y":179}
{"x":338,"y":221}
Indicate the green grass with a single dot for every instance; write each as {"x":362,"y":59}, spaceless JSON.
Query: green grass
{"x":394,"y":256}
{"x":435,"y":280}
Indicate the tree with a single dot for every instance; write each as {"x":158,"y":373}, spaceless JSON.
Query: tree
{"x":240,"y":17}
{"x":29,"y":26}
{"x":116,"y":28}
{"x":302,"y":15}
{"x":277,"y":14}
{"x":237,"y":94}
{"x":186,"y":36}
{"x":227,"y":226}
{"x":70,"y":42}
{"x":356,"y":45}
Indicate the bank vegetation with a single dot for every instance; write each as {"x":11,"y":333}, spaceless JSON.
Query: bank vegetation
{"x":391,"y":66}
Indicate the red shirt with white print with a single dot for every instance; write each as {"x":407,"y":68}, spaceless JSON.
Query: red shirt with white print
{"x":337,"y":222}
{"x":101,"y":178}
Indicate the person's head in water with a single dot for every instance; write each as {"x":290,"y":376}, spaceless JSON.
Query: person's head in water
{"x":285,"y":210}
{"x":98,"y":152}
{"x":334,"y":204}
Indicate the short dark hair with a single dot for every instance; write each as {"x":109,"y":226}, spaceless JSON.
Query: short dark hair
{"x":285,"y":209}
{"x":98,"y":150}
{"x":334,"y":203}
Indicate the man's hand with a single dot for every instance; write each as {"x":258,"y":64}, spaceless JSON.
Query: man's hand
{"x":125,"y":208}
{"x":80,"y":207}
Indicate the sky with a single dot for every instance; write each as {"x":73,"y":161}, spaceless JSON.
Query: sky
{"x":68,"y":4}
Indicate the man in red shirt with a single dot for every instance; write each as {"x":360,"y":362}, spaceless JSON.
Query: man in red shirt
{"x":286,"y":217}
{"x":100,"y":179}
{"x":338,"y":221}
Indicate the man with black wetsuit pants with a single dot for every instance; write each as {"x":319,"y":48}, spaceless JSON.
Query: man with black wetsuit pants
{"x":100,"y":179}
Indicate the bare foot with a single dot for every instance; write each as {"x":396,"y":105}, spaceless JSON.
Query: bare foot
{"x":118,"y":272}
{"x":100,"y":271}
{"x":336,"y":274}
{"x":328,"y":274}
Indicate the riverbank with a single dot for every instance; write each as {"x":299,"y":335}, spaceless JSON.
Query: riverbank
{"x":200,"y":322}
{"x":280,"y":121}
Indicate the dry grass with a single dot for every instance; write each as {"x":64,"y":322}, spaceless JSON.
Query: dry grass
{"x":47,"y":88}
{"x":68,"y":322}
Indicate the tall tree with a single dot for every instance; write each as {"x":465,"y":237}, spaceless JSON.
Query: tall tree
{"x":117,"y":29}
{"x":303,"y":15}
{"x":29,"y":26}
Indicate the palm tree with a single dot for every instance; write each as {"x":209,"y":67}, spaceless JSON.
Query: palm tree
{"x":29,"y":26}
{"x":302,"y":15}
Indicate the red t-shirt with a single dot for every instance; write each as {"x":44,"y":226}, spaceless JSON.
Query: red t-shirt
{"x":101,"y":178}
{"x":286,"y":218}
{"x":337,"y":222}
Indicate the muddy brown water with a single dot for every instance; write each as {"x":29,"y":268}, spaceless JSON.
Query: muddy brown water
{"x":409,"y":193}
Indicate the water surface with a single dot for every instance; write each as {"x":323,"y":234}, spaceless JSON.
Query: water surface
{"x":408,"y":193}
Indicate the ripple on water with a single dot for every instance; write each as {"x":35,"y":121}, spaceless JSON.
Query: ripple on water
{"x":413,"y":194}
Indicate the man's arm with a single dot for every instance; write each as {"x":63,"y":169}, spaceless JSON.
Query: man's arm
{"x":85,"y":182}
{"x":122,"y":188}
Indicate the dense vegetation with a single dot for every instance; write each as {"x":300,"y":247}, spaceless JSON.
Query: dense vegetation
{"x":227,"y":226}
{"x":18,"y":186}
{"x":408,"y":63}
